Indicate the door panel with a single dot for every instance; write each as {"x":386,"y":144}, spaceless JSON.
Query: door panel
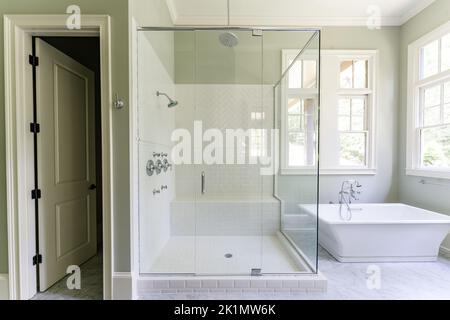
{"x":66,"y":163}
{"x":70,"y":127}
{"x":72,"y":224}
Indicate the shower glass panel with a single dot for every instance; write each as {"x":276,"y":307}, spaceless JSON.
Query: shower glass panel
{"x":228,"y":101}
{"x":228,"y":175}
{"x":296,"y":107}
{"x":165,"y":198}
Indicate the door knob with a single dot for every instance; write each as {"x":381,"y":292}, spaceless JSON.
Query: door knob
{"x":92,"y":187}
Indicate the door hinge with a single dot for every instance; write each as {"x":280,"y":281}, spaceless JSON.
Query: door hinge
{"x":36,"y":194}
{"x":33,"y":60}
{"x":35,"y":127}
{"x":37,"y":259}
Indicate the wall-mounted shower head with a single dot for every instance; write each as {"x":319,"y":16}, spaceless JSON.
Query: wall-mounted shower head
{"x":172,"y":103}
{"x":229,"y":39}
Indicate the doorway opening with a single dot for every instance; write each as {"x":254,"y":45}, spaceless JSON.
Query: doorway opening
{"x":67,"y":167}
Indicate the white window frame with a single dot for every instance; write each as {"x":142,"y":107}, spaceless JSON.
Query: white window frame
{"x":415,"y":85}
{"x":302,"y":93}
{"x":372,"y":98}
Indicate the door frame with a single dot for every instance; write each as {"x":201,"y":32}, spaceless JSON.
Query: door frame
{"x":18,"y":30}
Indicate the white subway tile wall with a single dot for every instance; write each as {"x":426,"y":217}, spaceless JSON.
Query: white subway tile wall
{"x":269,"y":284}
{"x":224,"y":107}
{"x":216,"y":217}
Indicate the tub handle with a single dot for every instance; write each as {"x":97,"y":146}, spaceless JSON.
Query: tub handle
{"x":203,"y":182}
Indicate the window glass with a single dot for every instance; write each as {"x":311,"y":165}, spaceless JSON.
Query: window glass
{"x":295,"y":75}
{"x":432,"y":96}
{"x":353,"y":74}
{"x":309,"y":74}
{"x":346,"y":74}
{"x":445,"y":53}
{"x":295,"y":106}
{"x":436,"y":147}
{"x":430,"y":59}
{"x":297,"y":150}
{"x":432,"y":116}
{"x":447,"y":92}
{"x":295,"y":123}
{"x":360,"y":74}
{"x":447,"y":102}
{"x":352,"y":149}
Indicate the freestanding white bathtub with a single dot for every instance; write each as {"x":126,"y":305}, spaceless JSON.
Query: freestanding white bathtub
{"x":381,"y":232}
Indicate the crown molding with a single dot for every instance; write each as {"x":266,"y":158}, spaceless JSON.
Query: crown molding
{"x":281,"y":21}
{"x":415,"y":11}
{"x":221,"y":20}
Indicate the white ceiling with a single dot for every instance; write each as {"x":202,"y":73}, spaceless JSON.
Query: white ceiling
{"x":293,"y":12}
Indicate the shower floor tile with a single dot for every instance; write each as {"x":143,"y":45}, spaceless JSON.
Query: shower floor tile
{"x":211,"y":255}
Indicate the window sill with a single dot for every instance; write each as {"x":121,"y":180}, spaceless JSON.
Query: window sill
{"x":437,"y":174}
{"x":330,"y":172}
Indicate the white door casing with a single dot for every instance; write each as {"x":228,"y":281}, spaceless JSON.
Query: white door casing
{"x":66,"y":163}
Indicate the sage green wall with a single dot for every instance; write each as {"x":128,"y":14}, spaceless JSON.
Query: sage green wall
{"x":381,"y":187}
{"x":426,"y":196}
{"x":118,"y":10}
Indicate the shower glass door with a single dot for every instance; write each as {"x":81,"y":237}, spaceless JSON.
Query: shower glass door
{"x":296,"y":108}
{"x":228,"y":139}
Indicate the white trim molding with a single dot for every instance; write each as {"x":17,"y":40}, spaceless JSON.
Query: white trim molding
{"x":123,"y":286}
{"x":283,"y":20}
{"x":415,"y":10}
{"x":134,"y":154}
{"x":221,"y":20}
{"x":4,"y":294}
{"x":18,"y":30}
{"x":413,"y":112}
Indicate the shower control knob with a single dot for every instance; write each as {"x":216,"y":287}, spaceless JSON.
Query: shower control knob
{"x":150,"y":168}
{"x":155,"y":191}
{"x":164,"y":155}
{"x":166,"y":165}
{"x":156,"y":155}
{"x":164,"y":188}
{"x":159,"y":167}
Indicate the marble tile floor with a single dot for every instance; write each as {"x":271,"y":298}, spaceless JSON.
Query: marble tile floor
{"x":430,"y":280}
{"x":91,"y":284}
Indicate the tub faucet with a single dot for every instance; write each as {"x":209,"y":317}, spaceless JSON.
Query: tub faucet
{"x":349,"y":191}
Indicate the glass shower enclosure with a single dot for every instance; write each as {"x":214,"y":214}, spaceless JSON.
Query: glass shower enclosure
{"x":228,"y":140}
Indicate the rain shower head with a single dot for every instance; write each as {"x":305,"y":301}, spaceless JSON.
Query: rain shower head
{"x":229,"y":39}
{"x":172,"y":103}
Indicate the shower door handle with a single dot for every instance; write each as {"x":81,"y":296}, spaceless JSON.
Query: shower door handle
{"x":203,"y":182}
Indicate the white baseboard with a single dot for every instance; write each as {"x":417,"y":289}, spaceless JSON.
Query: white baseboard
{"x":4,"y":289}
{"x":122,"y":286}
